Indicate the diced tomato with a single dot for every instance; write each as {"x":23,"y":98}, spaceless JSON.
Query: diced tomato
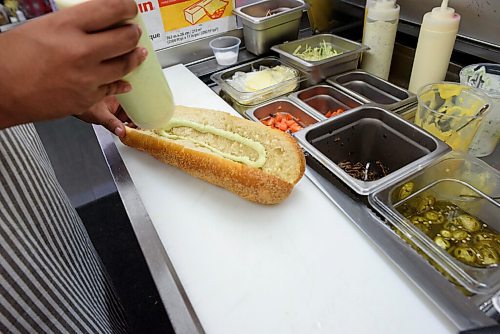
{"x":282,"y":126}
{"x":295,"y":128}
{"x":279,"y":117}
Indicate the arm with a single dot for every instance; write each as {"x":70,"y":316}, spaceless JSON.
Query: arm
{"x":66,"y":62}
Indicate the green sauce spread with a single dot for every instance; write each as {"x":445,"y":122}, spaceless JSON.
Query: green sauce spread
{"x":258,"y":147}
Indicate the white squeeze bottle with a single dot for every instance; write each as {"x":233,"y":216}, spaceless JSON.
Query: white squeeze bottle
{"x":435,"y":45}
{"x":380,"y":33}
{"x":149,"y":104}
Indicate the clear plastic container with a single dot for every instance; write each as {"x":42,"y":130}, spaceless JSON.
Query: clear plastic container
{"x":243,"y":99}
{"x":451,"y":112}
{"x":463,"y":181}
{"x":226,"y":49}
{"x":485,"y":77}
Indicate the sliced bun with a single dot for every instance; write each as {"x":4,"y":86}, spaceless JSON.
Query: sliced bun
{"x":269,"y":184}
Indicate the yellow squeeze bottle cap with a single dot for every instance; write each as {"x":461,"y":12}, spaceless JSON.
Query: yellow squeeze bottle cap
{"x":442,"y":18}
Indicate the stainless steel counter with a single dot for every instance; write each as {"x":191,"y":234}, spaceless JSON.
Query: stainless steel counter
{"x":178,"y":306}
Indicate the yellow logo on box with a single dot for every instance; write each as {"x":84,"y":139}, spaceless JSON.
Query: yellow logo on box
{"x":177,"y":14}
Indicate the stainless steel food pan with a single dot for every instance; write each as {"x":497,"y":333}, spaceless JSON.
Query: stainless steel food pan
{"x":323,"y":98}
{"x":372,"y":89}
{"x":285,"y":105}
{"x":369,"y":134}
{"x":347,"y":60}
{"x":269,"y":22}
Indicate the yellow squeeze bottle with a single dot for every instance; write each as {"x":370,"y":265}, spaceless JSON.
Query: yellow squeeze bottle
{"x":435,"y":45}
{"x":149,"y":104}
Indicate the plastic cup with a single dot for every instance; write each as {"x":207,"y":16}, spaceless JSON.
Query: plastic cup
{"x":225,"y":49}
{"x":485,"y":77}
{"x":449,"y":111}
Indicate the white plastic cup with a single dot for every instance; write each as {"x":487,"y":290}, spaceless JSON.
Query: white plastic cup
{"x":226,"y":49}
{"x":487,"y":136}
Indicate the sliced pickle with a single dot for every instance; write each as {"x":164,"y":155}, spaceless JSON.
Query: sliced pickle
{"x":460,"y":235}
{"x":442,"y":242}
{"x":465,"y":254}
{"x":434,"y":217}
{"x":425,"y":203}
{"x":469,"y":223}
{"x":446,"y":234}
{"x":406,"y":190}
{"x":488,"y":256}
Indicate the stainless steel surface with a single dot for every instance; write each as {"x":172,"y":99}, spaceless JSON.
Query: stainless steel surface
{"x":371,"y":89}
{"x":319,"y":70}
{"x":323,"y":98}
{"x":177,"y":304}
{"x":285,"y":106}
{"x":458,"y":308}
{"x":269,"y":22}
{"x":369,"y":134}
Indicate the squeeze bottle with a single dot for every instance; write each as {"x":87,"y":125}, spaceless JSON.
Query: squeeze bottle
{"x":149,"y":104}
{"x":380,"y":33}
{"x":435,"y":45}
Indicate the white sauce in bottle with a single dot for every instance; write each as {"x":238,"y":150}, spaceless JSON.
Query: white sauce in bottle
{"x":379,"y":34}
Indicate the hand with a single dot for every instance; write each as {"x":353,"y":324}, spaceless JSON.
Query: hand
{"x":63,"y":63}
{"x":107,"y":113}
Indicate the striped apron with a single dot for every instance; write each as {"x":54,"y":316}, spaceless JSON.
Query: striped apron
{"x":51,"y":278}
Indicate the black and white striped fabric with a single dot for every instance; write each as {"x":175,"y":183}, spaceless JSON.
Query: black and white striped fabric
{"x":51,"y":278}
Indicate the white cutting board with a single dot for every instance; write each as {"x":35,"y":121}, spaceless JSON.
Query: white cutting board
{"x":297,"y":267}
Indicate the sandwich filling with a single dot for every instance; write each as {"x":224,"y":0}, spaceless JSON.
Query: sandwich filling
{"x":231,"y":136}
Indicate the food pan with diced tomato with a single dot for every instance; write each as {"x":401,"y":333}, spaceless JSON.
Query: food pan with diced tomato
{"x":282,"y":114}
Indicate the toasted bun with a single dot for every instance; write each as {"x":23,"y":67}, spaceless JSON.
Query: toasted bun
{"x":270,"y":184}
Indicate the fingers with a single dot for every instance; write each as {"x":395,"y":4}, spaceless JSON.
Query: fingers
{"x":116,"y":68}
{"x":115,"y":42}
{"x":114,"y":88}
{"x":113,"y":124}
{"x":105,"y":13}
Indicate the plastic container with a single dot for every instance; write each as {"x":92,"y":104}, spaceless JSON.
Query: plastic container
{"x":485,"y":77}
{"x":379,"y":35}
{"x":150,"y":103}
{"x":451,"y":112}
{"x":461,"y":180}
{"x":435,"y":45}
{"x":244,"y":99}
{"x":269,"y":22}
{"x":347,"y":58}
{"x":369,"y":135}
{"x":226,"y":49}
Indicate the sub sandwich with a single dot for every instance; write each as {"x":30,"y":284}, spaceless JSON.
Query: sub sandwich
{"x":254,"y":161}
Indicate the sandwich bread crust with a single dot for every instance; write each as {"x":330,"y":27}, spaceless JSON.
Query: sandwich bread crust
{"x":270,"y":184}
